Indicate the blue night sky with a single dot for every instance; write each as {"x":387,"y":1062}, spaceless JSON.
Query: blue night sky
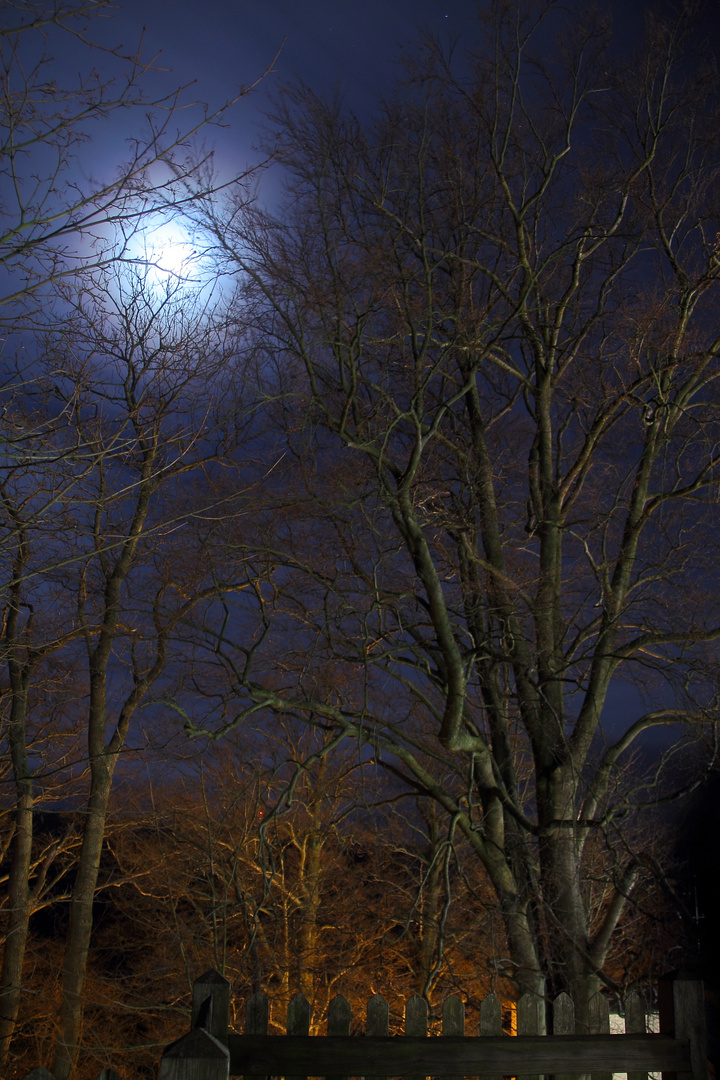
{"x":216,"y":47}
{"x":222,"y":45}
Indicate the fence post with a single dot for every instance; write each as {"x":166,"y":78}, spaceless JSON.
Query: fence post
{"x":257,"y":1018}
{"x":214,"y":987}
{"x":202,"y":1054}
{"x":563,"y":1015}
{"x":490,"y":1016}
{"x":416,"y":1016}
{"x":257,"y":1014}
{"x":378,"y":1016}
{"x":196,"y":1056}
{"x":563,"y":1023}
{"x":339,"y":1016}
{"x":681,"y":997}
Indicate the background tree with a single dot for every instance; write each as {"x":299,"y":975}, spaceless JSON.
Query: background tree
{"x":133,"y":365}
{"x":234,"y":880}
{"x":492,"y":315}
{"x":64,"y":212}
{"x":137,"y":360}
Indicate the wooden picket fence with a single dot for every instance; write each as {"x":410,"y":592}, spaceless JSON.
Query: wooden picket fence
{"x":209,"y":1051}
{"x":41,"y":1073}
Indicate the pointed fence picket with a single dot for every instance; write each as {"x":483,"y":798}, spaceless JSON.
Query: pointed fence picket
{"x":635,"y":1024}
{"x":490,"y":1025}
{"x":210,"y":1052}
{"x":453,"y":1020}
{"x":377,"y":1023}
{"x":416,"y":1024}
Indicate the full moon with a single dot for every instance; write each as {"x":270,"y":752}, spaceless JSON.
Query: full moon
{"x":172,"y":255}
{"x":168,"y":253}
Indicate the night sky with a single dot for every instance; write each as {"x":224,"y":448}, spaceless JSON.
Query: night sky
{"x":214,"y":48}
{"x":353,"y":47}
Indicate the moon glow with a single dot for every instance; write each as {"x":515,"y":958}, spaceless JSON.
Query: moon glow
{"x":169,"y":255}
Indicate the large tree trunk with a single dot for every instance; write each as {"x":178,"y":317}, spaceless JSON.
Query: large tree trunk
{"x":77,"y":943}
{"x":522,"y":939}
{"x":19,"y":897}
{"x":567,"y":931}
{"x":570,"y":954}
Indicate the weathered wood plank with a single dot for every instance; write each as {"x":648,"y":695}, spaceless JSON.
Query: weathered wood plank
{"x":453,"y":1020}
{"x":416,"y":1016}
{"x":682,"y":1014}
{"x":378,"y":1016}
{"x":377,"y":1023}
{"x":212,"y":987}
{"x":600,"y":1025}
{"x":531,"y":1015}
{"x":490,"y":1024}
{"x":563,"y":1015}
{"x":416,"y":1023}
{"x":563,"y":1022}
{"x":635,"y":1024}
{"x":257,"y":1014}
{"x":196,"y":1056}
{"x":599,"y":1015}
{"x":469,"y":1056}
{"x":339,"y":1016}
{"x":635,"y":1017}
{"x":298,"y":1016}
{"x":257,"y":1019}
{"x":338,"y":1024}
{"x":531,"y":1021}
{"x":490,"y":1016}
{"x":453,"y":1016}
{"x":298,"y":1024}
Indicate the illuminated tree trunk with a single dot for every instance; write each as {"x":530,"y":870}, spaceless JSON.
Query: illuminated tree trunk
{"x":19,"y":897}
{"x":77,"y":942}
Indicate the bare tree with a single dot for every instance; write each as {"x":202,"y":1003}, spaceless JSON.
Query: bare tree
{"x":41,"y":464}
{"x":128,"y":380}
{"x":142,"y":365}
{"x":268,"y":862}
{"x":62,"y":215}
{"x":492,"y":315}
